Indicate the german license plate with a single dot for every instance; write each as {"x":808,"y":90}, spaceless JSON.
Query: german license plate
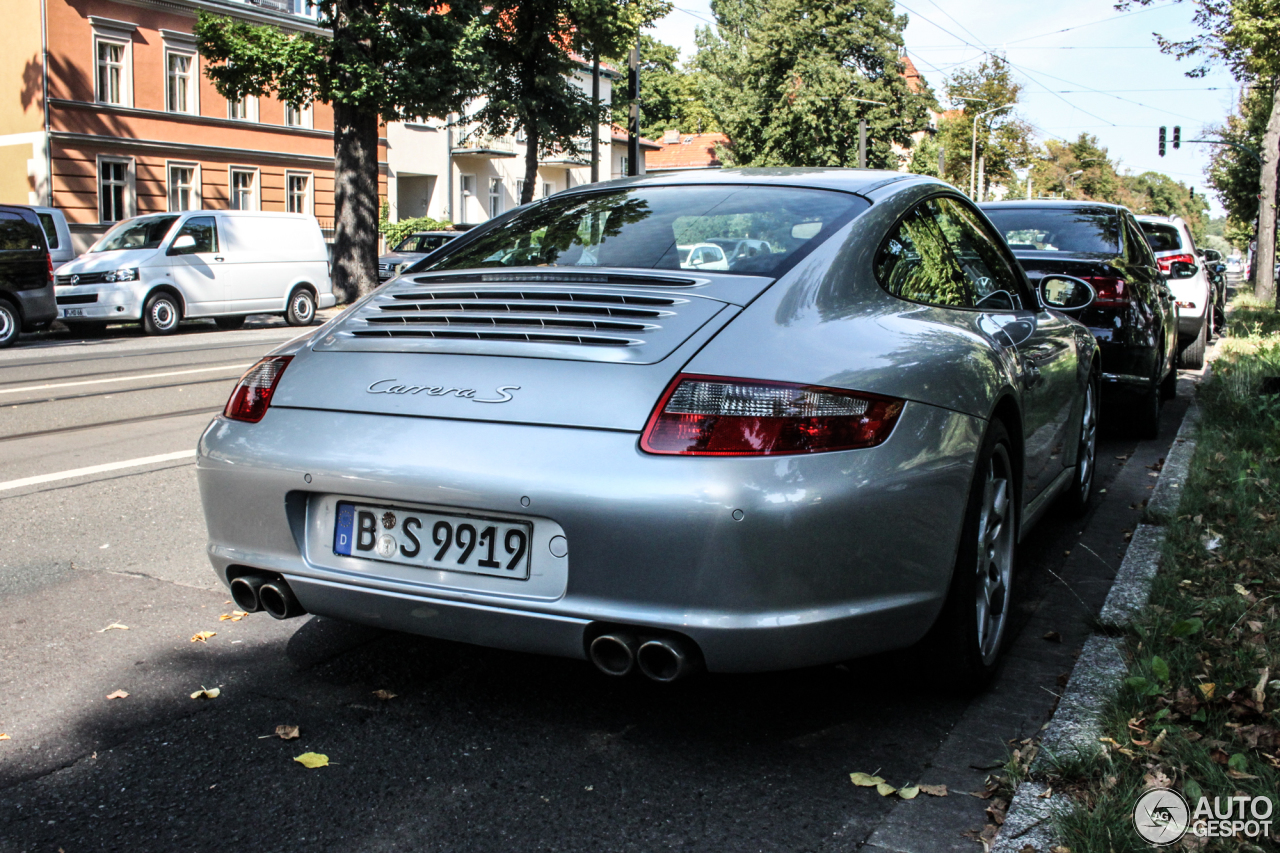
{"x":452,"y":543}
{"x":72,"y":312}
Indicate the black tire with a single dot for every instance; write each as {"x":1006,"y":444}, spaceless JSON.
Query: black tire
{"x":10,"y":324}
{"x":229,"y":324}
{"x":1192,"y":357}
{"x":301,"y":310}
{"x":963,"y":645}
{"x":1169,"y":385}
{"x":161,"y":314}
{"x":1077,"y":498}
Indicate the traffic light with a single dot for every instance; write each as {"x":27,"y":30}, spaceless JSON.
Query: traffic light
{"x":1192,"y":194}
{"x":1162,"y":140}
{"x":1177,"y":136}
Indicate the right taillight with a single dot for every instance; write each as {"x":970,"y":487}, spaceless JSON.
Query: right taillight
{"x":1110,"y":290}
{"x":252,"y":397}
{"x":718,"y":416}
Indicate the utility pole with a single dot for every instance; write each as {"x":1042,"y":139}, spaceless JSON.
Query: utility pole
{"x":595,"y":112}
{"x":1029,"y":195}
{"x":942,"y":163}
{"x":862,"y":143}
{"x":982,"y":180}
{"x":973,"y":155}
{"x":633,"y":132}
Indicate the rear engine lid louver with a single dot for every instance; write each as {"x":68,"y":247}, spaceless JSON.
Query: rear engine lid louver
{"x":582,"y":317}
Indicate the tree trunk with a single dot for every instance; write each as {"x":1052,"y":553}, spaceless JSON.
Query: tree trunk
{"x":530,"y":158}
{"x":355,"y":198}
{"x":1264,"y":264}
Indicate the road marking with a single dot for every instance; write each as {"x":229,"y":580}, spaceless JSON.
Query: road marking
{"x":96,"y":469}
{"x":240,"y":367}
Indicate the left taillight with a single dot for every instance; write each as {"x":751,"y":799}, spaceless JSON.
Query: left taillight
{"x":252,"y":396}
{"x":49,"y":263}
{"x":718,"y":416}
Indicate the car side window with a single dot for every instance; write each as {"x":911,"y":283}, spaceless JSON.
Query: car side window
{"x":17,"y":235}
{"x":1137,"y":245}
{"x":940,"y":255}
{"x":203,"y":230}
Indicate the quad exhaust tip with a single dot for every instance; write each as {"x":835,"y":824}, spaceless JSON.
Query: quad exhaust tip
{"x":662,"y":659}
{"x":260,"y":591}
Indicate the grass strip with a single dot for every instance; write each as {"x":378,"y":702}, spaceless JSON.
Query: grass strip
{"x":1199,"y":711}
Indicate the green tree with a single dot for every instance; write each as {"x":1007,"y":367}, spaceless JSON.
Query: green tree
{"x":789,"y":81}
{"x":1003,"y":140}
{"x":1243,"y":35}
{"x":1235,"y":174}
{"x":670,"y":97}
{"x":382,"y":60}
{"x":1161,"y":195}
{"x":1080,"y":170}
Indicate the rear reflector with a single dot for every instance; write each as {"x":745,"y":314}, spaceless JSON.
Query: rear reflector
{"x":716,"y":416}
{"x":1110,"y":290}
{"x":252,"y":396}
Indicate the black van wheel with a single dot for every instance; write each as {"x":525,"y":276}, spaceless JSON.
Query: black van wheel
{"x":10,"y":324}
{"x":161,"y":314}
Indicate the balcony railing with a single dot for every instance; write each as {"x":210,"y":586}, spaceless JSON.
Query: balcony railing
{"x":482,"y":145}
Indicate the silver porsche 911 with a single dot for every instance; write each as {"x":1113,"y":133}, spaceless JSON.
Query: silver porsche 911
{"x":577,"y":433}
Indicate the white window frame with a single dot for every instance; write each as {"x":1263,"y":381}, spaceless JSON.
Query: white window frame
{"x":193,"y":81}
{"x":126,"y":69}
{"x":309,"y":196}
{"x":548,"y":188}
{"x":255,"y":196}
{"x":129,"y":196}
{"x":467,"y":185}
{"x":170,"y":188}
{"x":250,"y":109}
{"x":306,"y":119}
{"x":519,"y":190}
{"x":495,"y":197}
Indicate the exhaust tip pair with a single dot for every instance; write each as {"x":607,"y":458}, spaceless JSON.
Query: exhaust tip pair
{"x":662,"y":659}
{"x":261,"y":591}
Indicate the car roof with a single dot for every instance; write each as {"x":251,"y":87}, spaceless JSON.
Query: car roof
{"x":436,"y":234}
{"x":846,"y":180}
{"x":1170,"y":220}
{"x":1042,"y":203}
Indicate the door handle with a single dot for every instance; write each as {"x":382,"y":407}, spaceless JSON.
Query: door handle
{"x":1030,"y":376}
{"x":218,"y":257}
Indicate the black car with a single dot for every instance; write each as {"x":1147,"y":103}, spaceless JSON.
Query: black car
{"x":1217,"y":272}
{"x":26,"y":275}
{"x":1134,"y":317}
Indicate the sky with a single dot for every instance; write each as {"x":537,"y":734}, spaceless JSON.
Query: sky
{"x":1085,"y":68}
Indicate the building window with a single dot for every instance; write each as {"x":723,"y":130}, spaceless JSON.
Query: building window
{"x":519,"y":191}
{"x":113,"y":79}
{"x":298,"y":192}
{"x":245,"y":109}
{"x":468,"y":185}
{"x":548,"y":189}
{"x":244,"y":189}
{"x":114,"y":189}
{"x":184,"y":187}
{"x":297,"y":116}
{"x":181,"y":83}
{"x":495,"y":197}
{"x":624,"y":167}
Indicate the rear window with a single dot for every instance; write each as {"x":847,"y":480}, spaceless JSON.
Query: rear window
{"x":1162,"y":237}
{"x":50,"y":229}
{"x":421,"y":243}
{"x":663,"y":228}
{"x":18,"y":235}
{"x":145,"y":232}
{"x":1079,"y":231}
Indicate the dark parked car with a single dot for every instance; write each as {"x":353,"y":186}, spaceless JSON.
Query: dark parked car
{"x":1216,"y":268}
{"x":26,"y":274}
{"x":411,"y":249}
{"x":1134,"y":316}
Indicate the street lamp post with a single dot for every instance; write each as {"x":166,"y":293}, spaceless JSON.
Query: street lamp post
{"x":973,"y":154}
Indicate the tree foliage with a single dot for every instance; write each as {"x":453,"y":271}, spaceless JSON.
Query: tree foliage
{"x":1004,"y":140}
{"x":1234,"y":174}
{"x":671,"y":96}
{"x":789,"y":80}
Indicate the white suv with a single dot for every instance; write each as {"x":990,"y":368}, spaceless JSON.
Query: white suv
{"x":1171,"y":240}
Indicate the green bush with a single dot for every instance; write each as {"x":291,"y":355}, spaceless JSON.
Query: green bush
{"x":394,"y":232}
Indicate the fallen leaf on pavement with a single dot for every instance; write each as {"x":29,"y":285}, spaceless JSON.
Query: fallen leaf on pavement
{"x":1048,"y":792}
{"x":114,"y":626}
{"x":909,"y":792}
{"x":934,"y":790}
{"x":234,"y":616}
{"x":884,"y":789}
{"x":287,"y":732}
{"x":1207,"y":689}
{"x":119,"y":694}
{"x":384,"y":694}
{"x":312,"y":760}
{"x":865,"y":780}
{"x":4,"y":736}
{"x":203,"y":636}
{"x":206,"y":693}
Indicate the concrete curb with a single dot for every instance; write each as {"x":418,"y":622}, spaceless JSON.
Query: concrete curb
{"x":1075,"y":726}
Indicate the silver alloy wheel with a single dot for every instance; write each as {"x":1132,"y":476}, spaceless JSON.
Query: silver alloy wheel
{"x":8,"y":323}
{"x":995,"y":555}
{"x":303,"y":308}
{"x":1088,"y":455}
{"x":164,"y":314}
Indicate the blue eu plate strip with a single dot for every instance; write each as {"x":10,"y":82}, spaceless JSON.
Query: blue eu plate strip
{"x":342,"y":530}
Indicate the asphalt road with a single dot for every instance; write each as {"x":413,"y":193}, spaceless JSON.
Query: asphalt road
{"x":479,"y":750}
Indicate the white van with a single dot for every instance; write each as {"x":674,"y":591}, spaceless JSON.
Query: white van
{"x":223,"y":264}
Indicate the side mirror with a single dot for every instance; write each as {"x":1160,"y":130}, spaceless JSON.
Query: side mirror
{"x":183,"y":243}
{"x":1219,"y":268}
{"x":1066,"y":293}
{"x":1182,"y":269}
